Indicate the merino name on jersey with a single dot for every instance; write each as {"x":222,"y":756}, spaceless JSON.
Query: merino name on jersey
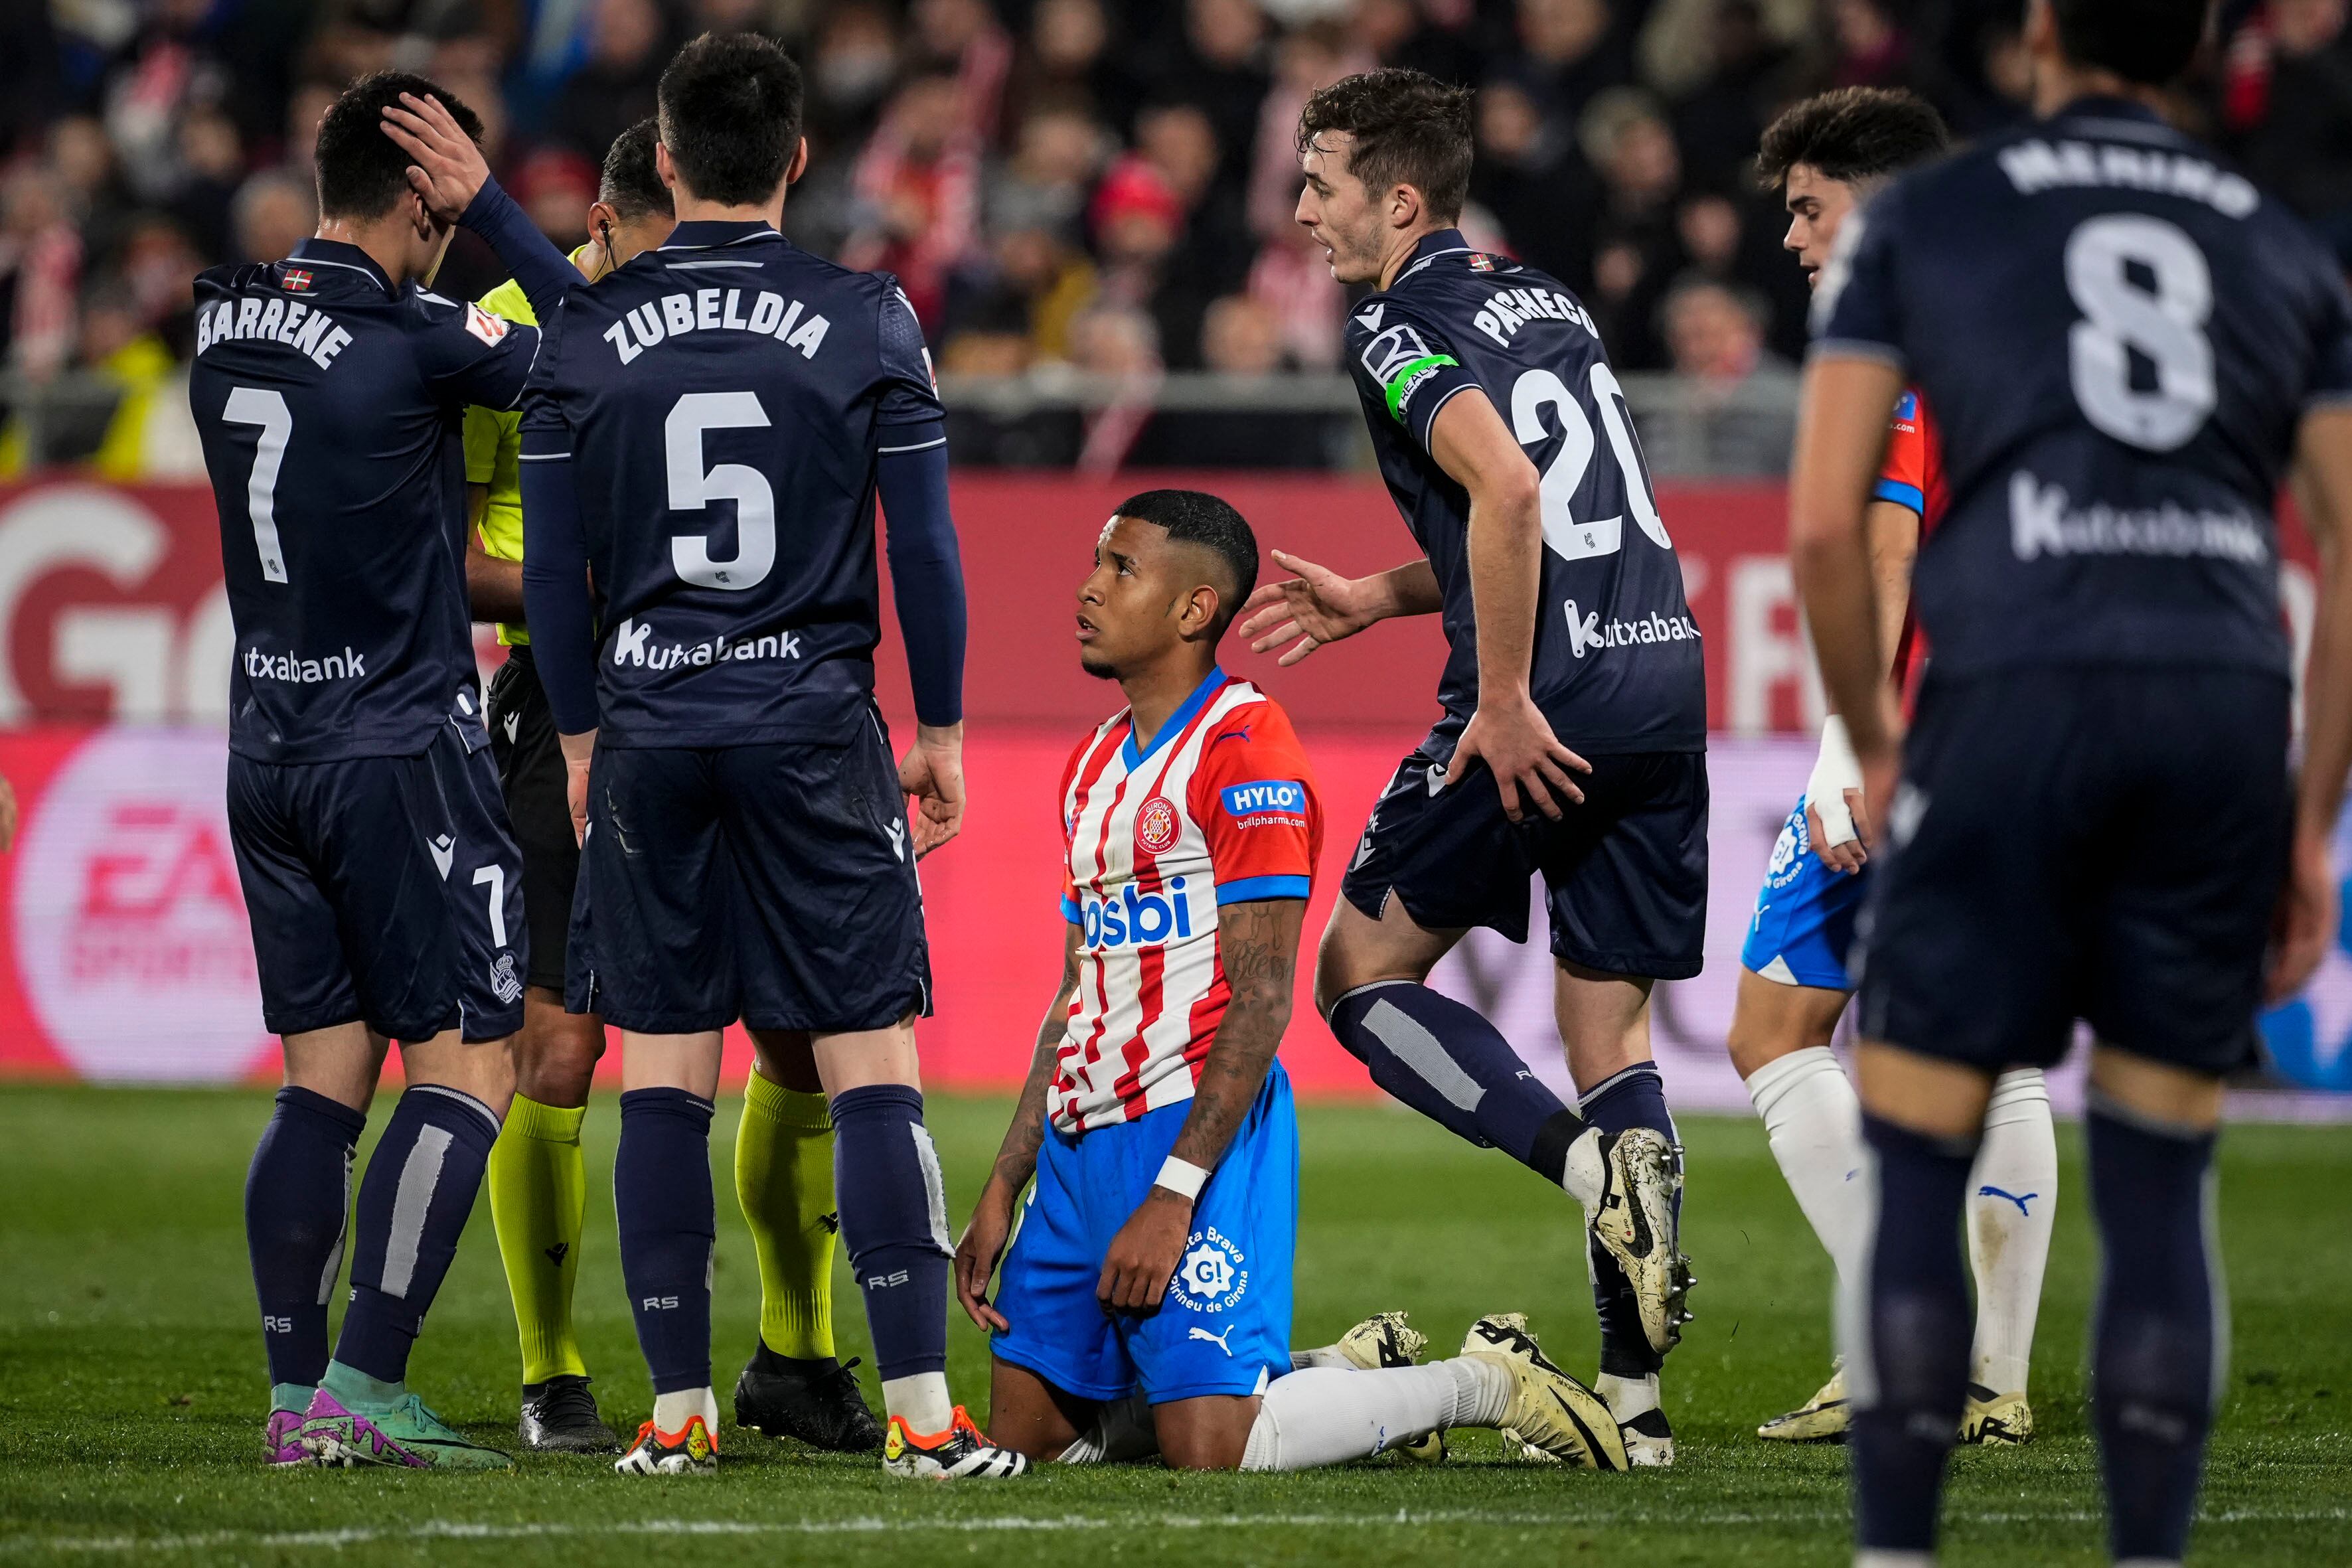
{"x":1219,"y":808}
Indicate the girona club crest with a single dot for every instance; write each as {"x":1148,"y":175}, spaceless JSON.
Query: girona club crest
{"x":1155,"y":825}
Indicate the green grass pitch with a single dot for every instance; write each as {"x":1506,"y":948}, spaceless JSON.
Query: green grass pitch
{"x":132,"y":1385}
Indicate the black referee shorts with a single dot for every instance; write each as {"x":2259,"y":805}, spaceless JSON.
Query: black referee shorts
{"x":531,"y":773}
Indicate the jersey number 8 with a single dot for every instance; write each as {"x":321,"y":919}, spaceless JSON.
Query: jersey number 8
{"x":2123,"y":317}
{"x":1537,"y":390}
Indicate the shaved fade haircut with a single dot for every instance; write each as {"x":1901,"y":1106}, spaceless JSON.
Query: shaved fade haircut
{"x":1196,"y":517}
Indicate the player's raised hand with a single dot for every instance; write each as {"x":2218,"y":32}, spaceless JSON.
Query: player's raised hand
{"x":449,"y":170}
{"x":977,"y":1254}
{"x":932,"y":774}
{"x":1316,"y":606}
{"x":1530,"y":765}
{"x":2305,"y":921}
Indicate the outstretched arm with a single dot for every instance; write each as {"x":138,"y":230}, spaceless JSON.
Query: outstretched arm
{"x":1320,"y":606}
{"x":1257,"y":941}
{"x":1016,"y":1158}
{"x":2307,"y":906}
{"x":455,"y":181}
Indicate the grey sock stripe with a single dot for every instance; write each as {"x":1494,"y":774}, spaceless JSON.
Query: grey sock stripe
{"x":343,"y":1234}
{"x":1410,"y":1041}
{"x":1340,"y":1000}
{"x":462,"y":1098}
{"x":418,"y":1178}
{"x":935,"y":1188}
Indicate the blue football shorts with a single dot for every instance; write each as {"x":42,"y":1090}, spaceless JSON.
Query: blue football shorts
{"x":1802,"y":931}
{"x":1225,"y":1325}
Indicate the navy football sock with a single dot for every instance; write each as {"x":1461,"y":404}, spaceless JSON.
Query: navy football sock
{"x":1908,"y":1366}
{"x":1453,"y":1066}
{"x":894,"y":1221}
{"x":1634,"y":1098}
{"x":668,"y":1225}
{"x":298,"y":1197}
{"x":414,"y":1204}
{"x":2158,"y":1339}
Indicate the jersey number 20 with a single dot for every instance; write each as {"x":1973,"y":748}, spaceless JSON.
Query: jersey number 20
{"x":1537,"y":390}
{"x":2164,"y":325}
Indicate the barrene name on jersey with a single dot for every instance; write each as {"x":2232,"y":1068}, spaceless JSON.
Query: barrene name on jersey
{"x":771,"y":315}
{"x":294,"y":323}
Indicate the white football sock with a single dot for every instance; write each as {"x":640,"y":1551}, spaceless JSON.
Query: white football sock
{"x":1866,"y":1558}
{"x":921,"y":1400}
{"x":2012,"y":1207}
{"x":1627,"y":1397}
{"x":1120,"y":1432}
{"x":1327,"y":1416}
{"x":1814,"y":1122}
{"x":673,"y":1411}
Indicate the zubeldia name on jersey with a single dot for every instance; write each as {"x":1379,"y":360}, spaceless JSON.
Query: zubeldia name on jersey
{"x":716,"y":310}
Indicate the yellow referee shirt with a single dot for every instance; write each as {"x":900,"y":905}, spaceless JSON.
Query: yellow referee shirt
{"x":494,"y":451}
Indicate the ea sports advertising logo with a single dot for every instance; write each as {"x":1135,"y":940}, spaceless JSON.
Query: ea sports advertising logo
{"x":131,"y":939}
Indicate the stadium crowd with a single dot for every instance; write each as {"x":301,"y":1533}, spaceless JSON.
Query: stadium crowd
{"x":1100,"y":184}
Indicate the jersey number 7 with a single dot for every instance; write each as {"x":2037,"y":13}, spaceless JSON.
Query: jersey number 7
{"x":255,"y":406}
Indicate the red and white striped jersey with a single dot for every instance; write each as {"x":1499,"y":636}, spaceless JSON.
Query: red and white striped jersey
{"x":1219,"y":808}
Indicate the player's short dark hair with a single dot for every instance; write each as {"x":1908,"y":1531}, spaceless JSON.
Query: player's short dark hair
{"x":730,"y":116}
{"x":2145,"y":41}
{"x":1196,"y":517}
{"x":1852,"y":133}
{"x":1410,"y":128}
{"x":630,"y":185}
{"x":362,"y":170}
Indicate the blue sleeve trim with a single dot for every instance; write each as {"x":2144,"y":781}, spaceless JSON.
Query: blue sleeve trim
{"x":1072,"y":913}
{"x":1249,"y":890}
{"x":925,"y":571}
{"x":1901,"y":495}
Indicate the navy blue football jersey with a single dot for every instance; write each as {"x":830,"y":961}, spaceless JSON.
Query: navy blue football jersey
{"x":2119,"y":336}
{"x":328,"y":402}
{"x":1617,"y":665}
{"x":724,"y":401}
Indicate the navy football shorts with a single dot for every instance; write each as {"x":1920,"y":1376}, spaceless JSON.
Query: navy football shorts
{"x":1624,"y":873}
{"x":2105,"y":844}
{"x":384,"y":889}
{"x":773,"y":883}
{"x":532,"y":774}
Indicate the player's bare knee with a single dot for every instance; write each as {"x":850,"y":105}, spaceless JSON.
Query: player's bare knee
{"x":1771,"y":1020}
{"x":556,"y":1053}
{"x":1205,"y":1434}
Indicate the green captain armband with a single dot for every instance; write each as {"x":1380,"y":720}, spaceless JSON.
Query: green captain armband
{"x":1401,"y":385}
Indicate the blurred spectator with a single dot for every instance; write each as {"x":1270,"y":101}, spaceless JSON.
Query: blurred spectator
{"x":1119,"y":343}
{"x":917,"y":189}
{"x":856,"y":55}
{"x":1569,"y":52}
{"x":212,"y":163}
{"x":1292,"y":278}
{"x":615,"y":90}
{"x":962,"y":37}
{"x":274,"y":211}
{"x":1221,"y":68}
{"x":1069,"y":52}
{"x":555,"y":185}
{"x":1179,"y":143}
{"x":1307,"y":61}
{"x":1242,"y":339}
{"x":1529,"y":176}
{"x":2287,"y":107}
{"x":1139,"y":224}
{"x":1638,"y":249}
{"x":1734,"y":408}
{"x":40,"y":270}
{"x":150,"y":434}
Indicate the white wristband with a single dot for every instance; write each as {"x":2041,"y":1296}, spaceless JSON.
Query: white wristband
{"x":1181,"y":1177}
{"x":1835,"y":770}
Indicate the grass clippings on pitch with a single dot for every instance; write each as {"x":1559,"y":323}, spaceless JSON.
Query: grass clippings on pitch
{"x":131,"y":1387}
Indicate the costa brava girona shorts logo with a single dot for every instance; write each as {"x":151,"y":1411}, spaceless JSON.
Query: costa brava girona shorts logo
{"x":1156,"y":826}
{"x":131,"y":939}
{"x":1215,"y":1273}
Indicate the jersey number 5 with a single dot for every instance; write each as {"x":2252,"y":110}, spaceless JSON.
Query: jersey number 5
{"x":693,"y":486}
{"x":2123,"y":317}
{"x":1537,"y":390}
{"x":256,"y":405}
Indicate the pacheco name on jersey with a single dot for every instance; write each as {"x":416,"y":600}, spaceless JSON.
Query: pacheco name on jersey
{"x":633,"y":645}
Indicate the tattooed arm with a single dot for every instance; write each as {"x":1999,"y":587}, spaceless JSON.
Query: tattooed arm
{"x":1016,"y":1159}
{"x":1257,"y":941}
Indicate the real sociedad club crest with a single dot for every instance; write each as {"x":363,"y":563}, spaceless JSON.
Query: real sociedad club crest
{"x":1155,"y":825}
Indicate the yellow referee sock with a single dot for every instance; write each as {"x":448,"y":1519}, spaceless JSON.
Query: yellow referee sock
{"x":539,"y":1191}
{"x":783,"y":1179}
